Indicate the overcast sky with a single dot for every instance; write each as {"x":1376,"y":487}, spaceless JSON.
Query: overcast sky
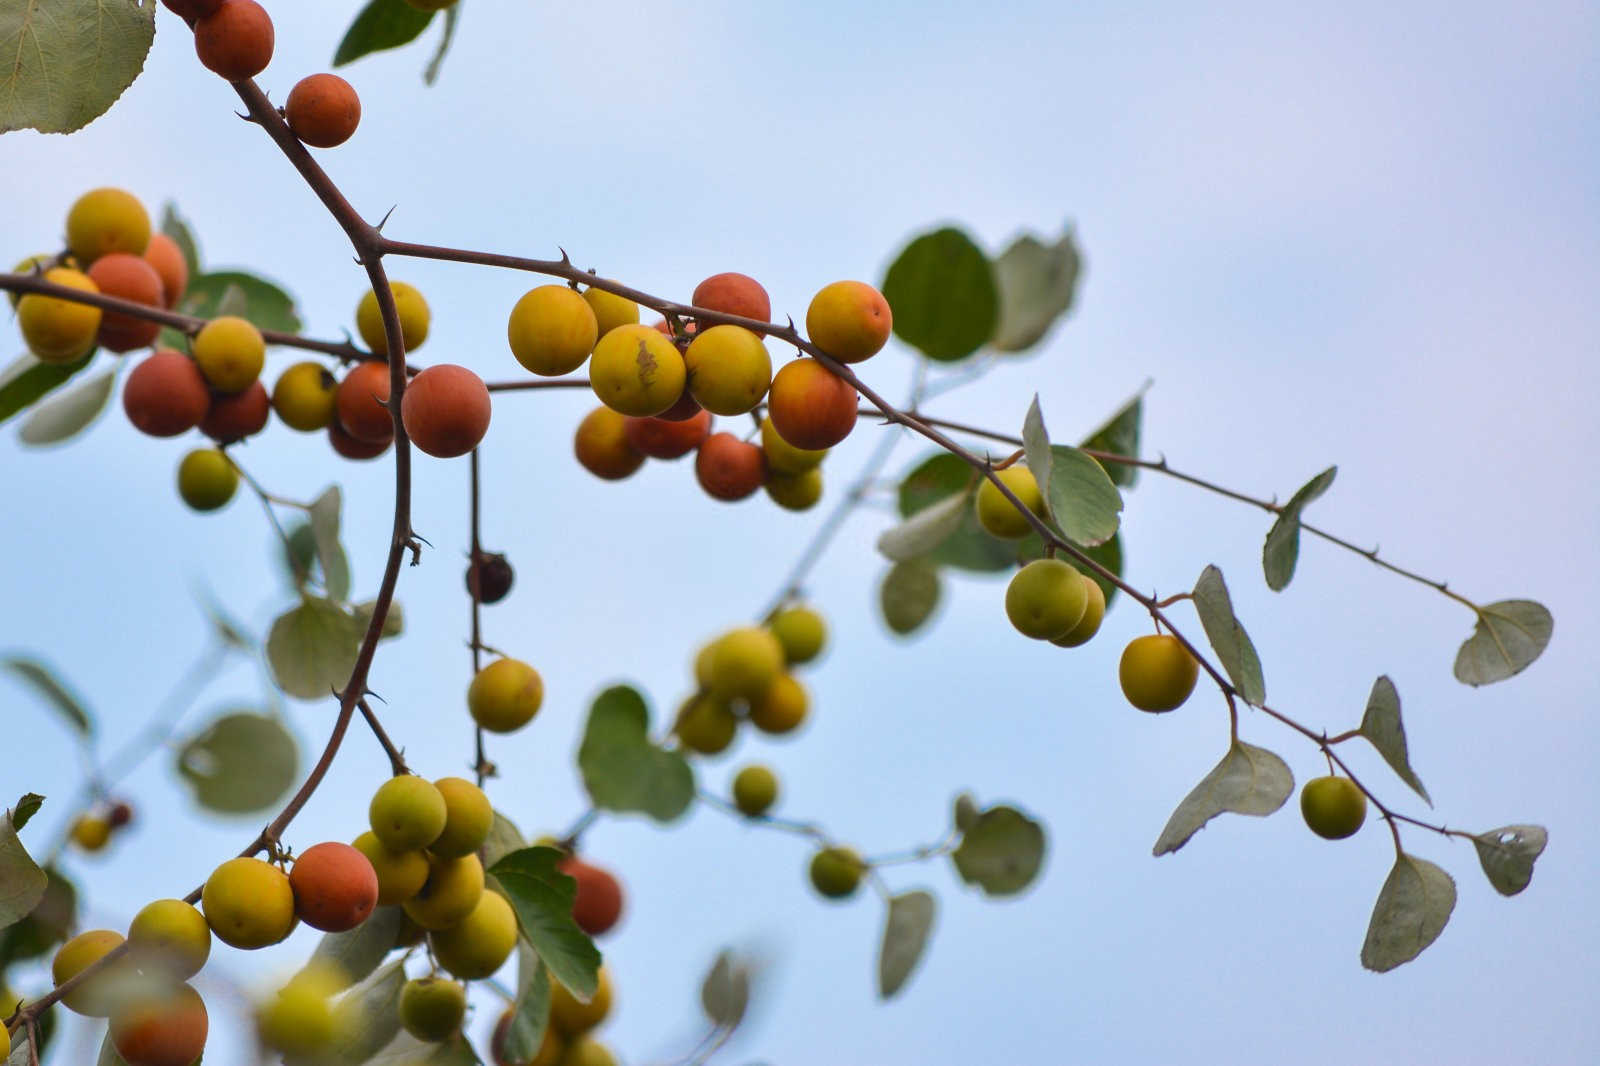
{"x":1368,"y":237}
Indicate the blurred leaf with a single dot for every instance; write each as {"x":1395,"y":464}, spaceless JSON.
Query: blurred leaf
{"x":908,"y":595}
{"x":23,"y":812}
{"x":299,"y":554}
{"x":1509,"y":636}
{"x":312,"y":648}
{"x":969,"y":547}
{"x":1411,"y":912}
{"x":381,"y":25}
{"x":1507,"y":855}
{"x":622,"y":769}
{"x":324,"y":515}
{"x":240,"y":763}
{"x":45,"y":684}
{"x":45,"y":926}
{"x":28,"y":379}
{"x":925,"y":530}
{"x":1120,"y":436}
{"x":1227,"y":636}
{"x":941,"y":290}
{"x":431,"y":75}
{"x":407,"y":1050}
{"x":504,"y":838}
{"x":357,"y":952}
{"x":394,"y":623}
{"x":1108,"y":555}
{"x":22,"y":883}
{"x":1037,"y":284}
{"x":63,"y":417}
{"x":1248,"y":780}
{"x":966,"y":812}
{"x":109,"y":1056}
{"x":531,"y":1011}
{"x":233,"y":292}
{"x":542,"y":897}
{"x":725,"y":992}
{"x":1282,"y":549}
{"x":905,"y":937}
{"x":69,"y":60}
{"x":1382,"y":727}
{"x":1001,"y":853}
{"x":229,"y":631}
{"x":367,"y":1018}
{"x":175,"y":226}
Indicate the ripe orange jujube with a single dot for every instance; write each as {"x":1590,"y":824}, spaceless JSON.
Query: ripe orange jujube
{"x":164,"y":254}
{"x":166,"y":395}
{"x":235,"y":417}
{"x":598,"y":904}
{"x":164,"y":1027}
{"x":729,"y":468}
{"x":601,"y":445}
{"x":335,"y":887}
{"x":445,"y":410}
{"x":323,"y":110}
{"x":660,"y":438}
{"x":734,"y":294}
{"x":850,"y":320}
{"x":129,"y":277}
{"x":347,"y":446}
{"x":809,"y":406}
{"x":235,"y":40}
{"x":361,"y":401}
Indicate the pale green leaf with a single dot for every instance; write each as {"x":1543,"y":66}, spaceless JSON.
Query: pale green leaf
{"x":1036,"y":443}
{"x":905,"y":938}
{"x":1248,"y":780}
{"x":1120,"y":436}
{"x":234,"y":292}
{"x":324,"y":515}
{"x":368,"y":1016}
{"x":451,"y":15}
{"x":531,"y":1011}
{"x":1282,"y":548}
{"x":908,"y":595}
{"x":407,"y":1050}
{"x":622,"y":769}
{"x":504,"y":838}
{"x":394,"y":621}
{"x":925,"y":530}
{"x":725,"y":992}
{"x":1383,"y":729}
{"x":312,"y":648}
{"x":29,"y":379}
{"x":941,"y":290}
{"x":1507,"y":855}
{"x":1037,"y":284}
{"x":1509,"y":636}
{"x":542,"y":897}
{"x":1227,"y":636}
{"x":1411,"y":912}
{"x":240,"y":763}
{"x":1081,"y":497}
{"x":176,"y":227}
{"x":966,"y":812}
{"x":970,"y":547}
{"x":63,"y":417}
{"x":67,"y":61}
{"x":1002,"y":852}
{"x":22,"y":883}
{"x":357,"y":952}
{"x":52,"y":690}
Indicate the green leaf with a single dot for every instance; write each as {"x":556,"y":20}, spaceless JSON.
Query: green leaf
{"x":909,"y":595}
{"x":1037,"y":284}
{"x":324,"y":515}
{"x":240,"y":763}
{"x":1282,"y":549}
{"x":22,"y":883}
{"x":407,"y":1050}
{"x":368,"y":1016}
{"x":229,"y":631}
{"x":622,"y":769}
{"x":357,"y":952}
{"x":530,"y":1014}
{"x":725,"y":992}
{"x":299,"y":554}
{"x":1509,"y":636}
{"x":941,"y":290}
{"x":1507,"y":855}
{"x":1001,"y":853}
{"x":925,"y":530}
{"x":1411,"y":912}
{"x":1081,"y":497}
{"x":28,"y":379}
{"x":431,"y":74}
{"x":233,"y":292}
{"x":381,"y":25}
{"x":26,"y":808}
{"x":1036,"y":443}
{"x":1382,"y":727}
{"x":1108,"y":555}
{"x":312,"y":648}
{"x":969,"y":547}
{"x":63,"y":417}
{"x":542,"y":897}
{"x":966,"y":812}
{"x":504,"y":838}
{"x":1120,"y":436}
{"x":1227,"y":636}
{"x":1248,"y":780}
{"x":45,"y":926}
{"x":174,"y":226}
{"x":905,"y":937}
{"x":49,"y":687}
{"x":67,"y":61}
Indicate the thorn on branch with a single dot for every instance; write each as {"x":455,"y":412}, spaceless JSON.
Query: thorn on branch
{"x":385,"y":219}
{"x":566,"y":260}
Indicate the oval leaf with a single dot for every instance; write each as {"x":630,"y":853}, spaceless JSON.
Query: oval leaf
{"x":28,"y":379}
{"x":925,"y":530}
{"x":367,"y":1017}
{"x":1081,"y":497}
{"x":46,"y":925}
{"x":1508,"y":637}
{"x":324,"y":514}
{"x":1120,"y":436}
{"x":504,"y":838}
{"x":622,"y":769}
{"x":357,"y":952}
{"x":1411,"y":912}
{"x":1036,"y":443}
{"x":905,"y":937}
{"x":1382,"y":727}
{"x":381,"y":25}
{"x":1507,"y":855}
{"x":725,"y":993}
{"x":908,"y":596}
{"x":1248,"y":780}
{"x":312,"y":648}
{"x":969,"y":548}
{"x":63,"y":417}
{"x":27,"y":806}
{"x":67,"y":61}
{"x":1228,"y":638}
{"x":1001,"y":853}
{"x":22,"y":883}
{"x":1037,"y":283}
{"x":233,"y":292}
{"x":240,"y":763}
{"x":542,"y":897}
{"x":1282,"y":549}
{"x":175,"y":227}
{"x":942,"y":292}
{"x":530,"y":1013}
{"x":44,"y":682}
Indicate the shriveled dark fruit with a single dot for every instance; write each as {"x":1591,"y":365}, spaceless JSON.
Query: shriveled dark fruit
{"x":489,"y":577}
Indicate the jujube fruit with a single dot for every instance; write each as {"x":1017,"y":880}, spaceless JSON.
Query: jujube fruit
{"x":550,"y":1048}
{"x":636,"y":371}
{"x":572,"y":1018}
{"x":602,"y":448}
{"x":323,"y":110}
{"x":706,"y":724}
{"x":801,"y":632}
{"x":452,"y":890}
{"x":794,"y":492}
{"x":505,"y":695}
{"x":610,"y":310}
{"x":401,"y":874}
{"x":998,"y":515}
{"x":489,"y":577}
{"x":836,"y":872}
{"x":171,"y":267}
{"x":170,"y":936}
{"x":810,"y":406}
{"x":734,"y":294}
{"x":229,"y":350}
{"x":407,"y":813}
{"x":781,"y":707}
{"x":361,"y":402}
{"x":587,"y":1051}
{"x":335,"y":887}
{"x":728,"y":468}
{"x":480,"y":943}
{"x":165,"y":394}
{"x":755,"y":790}
{"x":739,"y":664}
{"x":128,"y":277}
{"x":299,"y":1018}
{"x":552,"y":330}
{"x":446,"y":410}
{"x":98,"y":995}
{"x":410,"y":308}
{"x":107,"y":220}
{"x":432,"y":1008}
{"x":1094,"y":612}
{"x":350,"y":448}
{"x":783,"y":456}
{"x":192,"y":9}
{"x":1334,"y":807}
{"x":660,"y":438}
{"x":728,"y":369}
{"x":235,"y":40}
{"x":235,"y":416}
{"x":598,"y":903}
{"x":91,"y":832}
{"x":468,"y":818}
{"x":305,"y":397}
{"x":1157,"y":672}
{"x":166,"y":1026}
{"x":248,"y":903}
{"x":207,"y":479}
{"x":850,"y":320}
{"x":57,"y":330}
{"x":1046,"y":599}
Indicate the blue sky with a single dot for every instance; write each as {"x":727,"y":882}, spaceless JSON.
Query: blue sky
{"x":1368,"y":237}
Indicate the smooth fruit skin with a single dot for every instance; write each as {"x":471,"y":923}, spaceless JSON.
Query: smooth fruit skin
{"x":505,"y":695}
{"x":446,"y":410}
{"x":610,"y":310}
{"x":432,"y":1008}
{"x":107,"y":220}
{"x":478,"y":945}
{"x":729,"y":369}
{"x":755,"y":790}
{"x":57,"y":330}
{"x":706,"y":724}
{"x":235,"y":416}
{"x":207,"y":479}
{"x":587,"y":1051}
{"x":401,"y":874}
{"x":683,"y":409}
{"x":1157,"y":672}
{"x":781,"y":707}
{"x":335,"y":887}
{"x":728,"y":468}
{"x":552,"y":330}
{"x":97,"y":996}
{"x":410,"y":308}
{"x":323,"y":110}
{"x":235,"y":40}
{"x":598,"y":905}
{"x":740,"y":664}
{"x":1094,"y":613}
{"x":636,"y":371}
{"x":801,"y":631}
{"x":468,"y":818}
{"x":170,"y":937}
{"x":810,"y":406}
{"x":165,"y":395}
{"x":91,"y":832}
{"x":660,"y":438}
{"x":168,"y":1028}
{"x":784,"y":457}
{"x":1046,"y":599}
{"x":299,"y":1019}
{"x":794,"y":492}
{"x":998,"y":515}
{"x":550,"y":1050}
{"x":128,"y":277}
{"x":734,"y":294}
{"x":248,"y":903}
{"x":361,"y":403}
{"x":5,"y":1040}
{"x":1334,"y":807}
{"x":602,"y":448}
{"x":572,"y":1018}
{"x":163,"y":254}
{"x":305,"y":397}
{"x":836,"y":872}
{"x":350,"y":448}
{"x":850,"y":320}
{"x":192,"y":9}
{"x":452,"y":891}
{"x":230,"y":350}
{"x":407,"y":813}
